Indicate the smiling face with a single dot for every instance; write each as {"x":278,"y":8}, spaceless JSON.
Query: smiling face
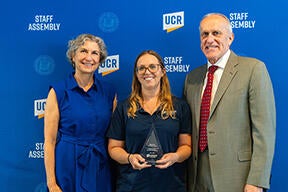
{"x":87,"y":57}
{"x":216,"y":37}
{"x":149,"y":80}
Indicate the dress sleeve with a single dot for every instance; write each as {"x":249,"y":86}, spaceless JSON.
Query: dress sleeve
{"x":107,"y":89}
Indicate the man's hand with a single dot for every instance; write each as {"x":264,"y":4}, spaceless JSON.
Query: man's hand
{"x":252,"y":188}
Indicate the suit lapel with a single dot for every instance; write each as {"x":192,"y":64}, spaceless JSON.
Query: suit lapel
{"x":227,"y":76}
{"x":198,"y":94}
{"x":200,"y":76}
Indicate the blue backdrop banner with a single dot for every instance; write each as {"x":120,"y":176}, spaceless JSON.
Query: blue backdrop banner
{"x":34,"y":36}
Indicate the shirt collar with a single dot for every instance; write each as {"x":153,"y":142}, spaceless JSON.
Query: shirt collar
{"x":72,"y":83}
{"x":221,"y":63}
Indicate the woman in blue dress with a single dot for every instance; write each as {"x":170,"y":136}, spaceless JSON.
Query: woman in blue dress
{"x":77,"y":115}
{"x":150,"y":132}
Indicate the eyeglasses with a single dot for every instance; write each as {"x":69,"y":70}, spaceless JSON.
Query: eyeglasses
{"x":153,"y":68}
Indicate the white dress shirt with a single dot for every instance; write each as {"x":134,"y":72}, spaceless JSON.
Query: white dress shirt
{"x":221,"y":63}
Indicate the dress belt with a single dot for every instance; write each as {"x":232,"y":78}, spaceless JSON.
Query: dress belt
{"x":87,"y":159}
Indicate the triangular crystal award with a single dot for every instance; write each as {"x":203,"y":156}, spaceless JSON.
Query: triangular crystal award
{"x":152,"y":150}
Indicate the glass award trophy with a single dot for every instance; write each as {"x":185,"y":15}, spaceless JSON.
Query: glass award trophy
{"x":152,"y":150}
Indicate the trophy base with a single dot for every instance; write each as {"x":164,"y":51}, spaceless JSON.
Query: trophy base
{"x":151,"y":162}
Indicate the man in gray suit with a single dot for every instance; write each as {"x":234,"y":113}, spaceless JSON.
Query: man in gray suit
{"x":241,"y":126}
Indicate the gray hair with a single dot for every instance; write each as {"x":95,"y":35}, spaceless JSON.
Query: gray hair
{"x":74,"y":44}
{"x":229,"y":26}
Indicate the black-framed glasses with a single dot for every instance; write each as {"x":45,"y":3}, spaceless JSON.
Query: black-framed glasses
{"x":153,"y":68}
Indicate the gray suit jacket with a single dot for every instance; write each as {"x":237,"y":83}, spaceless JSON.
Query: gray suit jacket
{"x":241,"y":127}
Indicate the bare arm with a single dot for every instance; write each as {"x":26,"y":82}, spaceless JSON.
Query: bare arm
{"x":114,"y":103}
{"x":50,"y":133}
{"x":182,"y":153}
{"x":184,"y":149}
{"x":117,"y":152}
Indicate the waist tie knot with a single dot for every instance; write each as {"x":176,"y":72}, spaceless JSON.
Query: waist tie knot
{"x":91,"y":159}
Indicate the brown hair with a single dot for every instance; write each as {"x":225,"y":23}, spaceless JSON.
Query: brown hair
{"x":165,"y":96}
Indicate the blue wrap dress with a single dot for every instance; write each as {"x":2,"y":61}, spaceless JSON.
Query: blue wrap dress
{"x":81,"y":159}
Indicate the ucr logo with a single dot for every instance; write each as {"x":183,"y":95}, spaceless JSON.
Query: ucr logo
{"x":110,"y":65}
{"x":39,"y":108}
{"x":173,"y":21}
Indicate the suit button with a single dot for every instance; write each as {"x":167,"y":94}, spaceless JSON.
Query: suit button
{"x":211,"y":132}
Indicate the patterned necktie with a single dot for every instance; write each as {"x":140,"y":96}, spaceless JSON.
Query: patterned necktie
{"x":205,"y":108}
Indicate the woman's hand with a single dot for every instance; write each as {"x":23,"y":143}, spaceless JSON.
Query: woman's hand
{"x":137,"y":161}
{"x":167,"y":160}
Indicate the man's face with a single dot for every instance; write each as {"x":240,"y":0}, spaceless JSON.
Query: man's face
{"x":215,"y":37}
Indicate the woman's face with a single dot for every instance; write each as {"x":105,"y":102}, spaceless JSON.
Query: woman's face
{"x":87,"y":57}
{"x":149,"y":72}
